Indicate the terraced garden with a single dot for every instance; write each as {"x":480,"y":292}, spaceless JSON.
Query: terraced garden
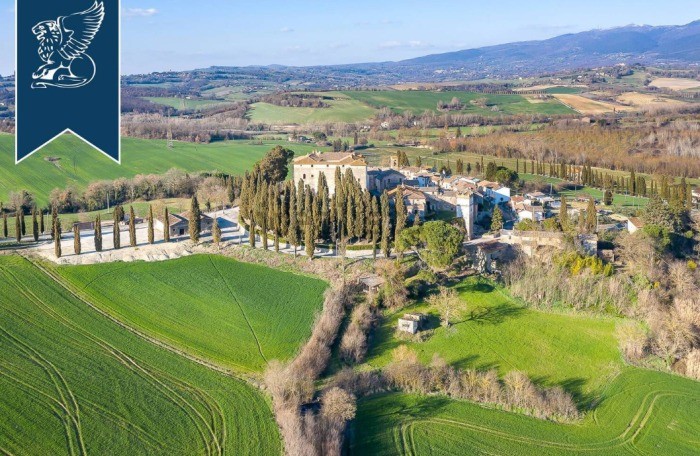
{"x":74,"y":382}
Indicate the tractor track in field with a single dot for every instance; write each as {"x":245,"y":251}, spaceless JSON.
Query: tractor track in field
{"x":139,"y":333}
{"x":626,"y":439}
{"x":212,"y":429}
{"x":240,"y":306}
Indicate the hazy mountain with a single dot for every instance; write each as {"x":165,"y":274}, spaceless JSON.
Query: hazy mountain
{"x":631,"y":44}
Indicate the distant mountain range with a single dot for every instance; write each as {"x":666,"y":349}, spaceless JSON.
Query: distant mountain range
{"x":663,"y":45}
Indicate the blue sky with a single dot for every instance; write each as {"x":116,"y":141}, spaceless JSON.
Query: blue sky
{"x":185,"y":34}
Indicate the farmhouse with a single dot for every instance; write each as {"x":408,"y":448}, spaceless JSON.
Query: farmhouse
{"x":417,"y":204}
{"x":179,"y":224}
{"x":379,"y":179}
{"x":309,"y":167}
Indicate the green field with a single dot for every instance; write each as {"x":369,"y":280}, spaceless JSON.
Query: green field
{"x":628,"y":410}
{"x":80,"y":165}
{"x":417,"y":102}
{"x":74,"y":382}
{"x":342,"y":109}
{"x":641,"y":412}
{"x":576,"y":352}
{"x":198,"y":104}
{"x":235,"y":314}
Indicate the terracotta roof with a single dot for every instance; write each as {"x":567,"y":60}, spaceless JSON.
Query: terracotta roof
{"x":636,"y":222}
{"x":408,"y":192}
{"x":332,"y":158}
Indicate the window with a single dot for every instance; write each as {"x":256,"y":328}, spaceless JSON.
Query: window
{"x":304,"y":177}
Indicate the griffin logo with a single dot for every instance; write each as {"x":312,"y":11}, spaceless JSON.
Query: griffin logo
{"x":63,"y":46}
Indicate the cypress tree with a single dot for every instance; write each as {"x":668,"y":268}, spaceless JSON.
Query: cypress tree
{"x":42,"y":228}
{"x":262,"y":216}
{"x":54,"y":216}
{"x":564,"y":214}
{"x":116,"y":236}
{"x":132,"y":227}
{"x":386,"y":225}
{"x":591,"y":216}
{"x":98,"y":234}
{"x":293,"y":229}
{"x":22,"y":222}
{"x":35,"y":225}
{"x":57,"y":237}
{"x":376,"y":225}
{"x":166,"y":225}
{"x":195,"y":222}
{"x":230,"y":190}
{"x":608,"y":198}
{"x":497,"y":220}
{"x":251,"y":229}
{"x":5,"y":232}
{"x":151,"y":234}
{"x":309,"y":240}
{"x":216,"y":232}
{"x":77,"y":247}
{"x":400,"y":207}
{"x":18,"y":227}
{"x":276,"y":215}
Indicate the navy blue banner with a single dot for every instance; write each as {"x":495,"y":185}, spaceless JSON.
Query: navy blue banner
{"x":67,"y":74}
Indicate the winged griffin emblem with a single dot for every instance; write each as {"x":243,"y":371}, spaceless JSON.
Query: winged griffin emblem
{"x":63,"y":46}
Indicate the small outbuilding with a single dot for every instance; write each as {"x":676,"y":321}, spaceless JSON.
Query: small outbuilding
{"x":179,"y":224}
{"x":411,"y":323}
{"x":371,"y":282}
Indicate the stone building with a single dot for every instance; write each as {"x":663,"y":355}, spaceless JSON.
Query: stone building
{"x":309,"y":167}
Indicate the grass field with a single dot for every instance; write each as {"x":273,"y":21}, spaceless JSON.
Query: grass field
{"x":418,"y":102}
{"x":234,"y":314}
{"x":342,"y":109}
{"x":80,"y":165}
{"x":628,"y":410}
{"x":641,"y":412}
{"x":578,"y":353}
{"x":74,"y":382}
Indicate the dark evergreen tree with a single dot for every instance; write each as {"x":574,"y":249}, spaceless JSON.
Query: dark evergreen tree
{"x":386,"y":225}
{"x":116,"y":236}
{"x":57,"y":237}
{"x":216,"y":232}
{"x":151,"y":233}
{"x":98,"y":234}
{"x":5,"y":231}
{"x":195,"y":222}
{"x":35,"y":225}
{"x":18,"y":227}
{"x":132,"y":227}
{"x":293,"y":229}
{"x":166,"y":225}
{"x":400,"y":209}
{"x":77,"y":247}
{"x":376,"y":225}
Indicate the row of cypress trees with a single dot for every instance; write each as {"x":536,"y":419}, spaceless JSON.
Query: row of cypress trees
{"x":303,"y":215}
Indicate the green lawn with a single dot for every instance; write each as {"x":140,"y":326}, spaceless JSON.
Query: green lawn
{"x":79,"y":164}
{"x":342,"y":109}
{"x":577,"y":352}
{"x":641,"y":412}
{"x":235,"y":314}
{"x":418,"y":102}
{"x":74,"y":382}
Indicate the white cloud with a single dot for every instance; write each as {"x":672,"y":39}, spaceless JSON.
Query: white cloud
{"x":139,"y":12}
{"x":390,"y":44}
{"x":286,"y":30}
